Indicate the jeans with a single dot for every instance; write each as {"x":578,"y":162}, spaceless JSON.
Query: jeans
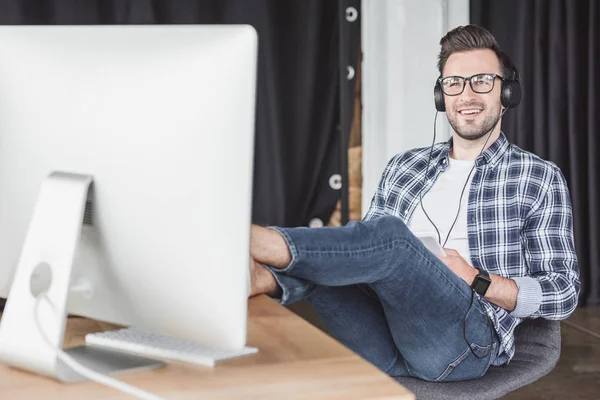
{"x":382,"y":294}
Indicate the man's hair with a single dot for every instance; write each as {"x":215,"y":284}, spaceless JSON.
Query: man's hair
{"x":472,"y":37}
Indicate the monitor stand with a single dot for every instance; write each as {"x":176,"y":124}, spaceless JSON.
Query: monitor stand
{"x":48,"y":253}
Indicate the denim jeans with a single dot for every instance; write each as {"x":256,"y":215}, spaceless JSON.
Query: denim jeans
{"x":381,"y":293}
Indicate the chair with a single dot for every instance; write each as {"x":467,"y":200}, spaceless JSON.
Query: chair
{"x":537,"y":344}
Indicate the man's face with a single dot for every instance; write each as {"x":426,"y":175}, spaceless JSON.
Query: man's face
{"x":472,"y":115}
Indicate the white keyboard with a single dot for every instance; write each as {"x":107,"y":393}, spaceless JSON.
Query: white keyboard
{"x":167,"y":348}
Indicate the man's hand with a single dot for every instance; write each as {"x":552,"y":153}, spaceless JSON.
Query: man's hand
{"x":502,"y":291}
{"x":459,"y":266}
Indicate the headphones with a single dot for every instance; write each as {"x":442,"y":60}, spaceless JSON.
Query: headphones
{"x":510,"y":91}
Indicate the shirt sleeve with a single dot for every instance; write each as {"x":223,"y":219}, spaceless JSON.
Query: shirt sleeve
{"x":551,"y":289}
{"x":377,"y":207}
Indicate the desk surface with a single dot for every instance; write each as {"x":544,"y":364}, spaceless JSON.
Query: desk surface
{"x":295,"y":361}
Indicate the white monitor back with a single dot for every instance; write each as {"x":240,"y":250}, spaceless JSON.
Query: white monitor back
{"x":162,"y":117}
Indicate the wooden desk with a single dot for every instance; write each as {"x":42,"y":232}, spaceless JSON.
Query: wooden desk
{"x":295,"y":361}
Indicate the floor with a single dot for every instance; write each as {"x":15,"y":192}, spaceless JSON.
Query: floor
{"x":577,"y":374}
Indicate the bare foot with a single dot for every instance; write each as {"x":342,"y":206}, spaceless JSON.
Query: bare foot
{"x":262,"y":281}
{"x":269,"y":247}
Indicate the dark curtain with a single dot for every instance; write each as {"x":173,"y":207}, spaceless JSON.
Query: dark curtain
{"x":298,"y":131}
{"x":556,"y":46}
{"x":297,"y":138}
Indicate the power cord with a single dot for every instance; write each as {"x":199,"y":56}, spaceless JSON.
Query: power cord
{"x":83,"y":370}
{"x":456,"y":219}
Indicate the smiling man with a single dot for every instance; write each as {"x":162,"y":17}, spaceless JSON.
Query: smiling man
{"x":503,"y":216}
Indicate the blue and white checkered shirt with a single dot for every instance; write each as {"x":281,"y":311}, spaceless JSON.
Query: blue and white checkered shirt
{"x":519,"y":223}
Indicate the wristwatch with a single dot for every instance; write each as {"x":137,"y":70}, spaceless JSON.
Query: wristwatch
{"x":482,"y":282}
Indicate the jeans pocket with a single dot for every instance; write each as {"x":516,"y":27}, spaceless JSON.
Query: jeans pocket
{"x":490,"y":354}
{"x":477,"y":366}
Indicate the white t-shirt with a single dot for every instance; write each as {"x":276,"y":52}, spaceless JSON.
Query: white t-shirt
{"x":441,"y":204}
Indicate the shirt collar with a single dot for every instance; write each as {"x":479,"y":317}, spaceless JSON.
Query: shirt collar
{"x":490,"y":156}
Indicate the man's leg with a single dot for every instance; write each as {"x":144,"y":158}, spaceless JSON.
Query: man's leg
{"x":351,"y":314}
{"x":358,"y":322}
{"x":425,"y":303}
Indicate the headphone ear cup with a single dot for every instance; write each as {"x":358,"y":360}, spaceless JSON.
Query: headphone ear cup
{"x":438,"y":98}
{"x":511,"y":94}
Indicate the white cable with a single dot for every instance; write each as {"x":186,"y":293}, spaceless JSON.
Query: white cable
{"x":85,"y":371}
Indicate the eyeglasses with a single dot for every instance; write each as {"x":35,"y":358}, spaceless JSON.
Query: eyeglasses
{"x":480,"y":83}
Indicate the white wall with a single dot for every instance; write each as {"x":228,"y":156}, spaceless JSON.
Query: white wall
{"x":400,"y":44}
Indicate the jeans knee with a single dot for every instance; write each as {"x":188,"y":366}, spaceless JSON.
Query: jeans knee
{"x":391,"y":224}
{"x":392,"y":227}
{"x":391,"y":235}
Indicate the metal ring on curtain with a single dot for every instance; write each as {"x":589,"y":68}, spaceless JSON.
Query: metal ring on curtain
{"x":350,"y":72}
{"x":351,"y":14}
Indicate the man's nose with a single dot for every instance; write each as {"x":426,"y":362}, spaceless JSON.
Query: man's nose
{"x":468,"y":93}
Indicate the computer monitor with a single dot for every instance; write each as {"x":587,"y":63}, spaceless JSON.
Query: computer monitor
{"x":161,"y":118}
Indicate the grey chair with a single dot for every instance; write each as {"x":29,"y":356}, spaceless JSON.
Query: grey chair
{"x":537,"y":344}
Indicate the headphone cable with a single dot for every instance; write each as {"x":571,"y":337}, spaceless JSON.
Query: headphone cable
{"x":456,"y":219}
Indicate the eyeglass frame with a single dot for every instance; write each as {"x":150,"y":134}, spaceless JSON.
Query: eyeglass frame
{"x":468,"y":78}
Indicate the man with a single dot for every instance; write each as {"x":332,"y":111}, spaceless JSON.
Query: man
{"x":495,"y":208}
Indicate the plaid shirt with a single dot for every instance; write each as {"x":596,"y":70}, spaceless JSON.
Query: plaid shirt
{"x":519,"y":224}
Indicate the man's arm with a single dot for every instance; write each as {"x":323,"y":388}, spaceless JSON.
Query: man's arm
{"x":377,"y":207}
{"x":551,"y":288}
{"x":502,"y":291}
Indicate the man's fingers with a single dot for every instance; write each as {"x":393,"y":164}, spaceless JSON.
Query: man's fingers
{"x":451,"y":252}
{"x":445,"y":260}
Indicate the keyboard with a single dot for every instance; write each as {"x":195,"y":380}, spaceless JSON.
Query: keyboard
{"x":162,"y":347}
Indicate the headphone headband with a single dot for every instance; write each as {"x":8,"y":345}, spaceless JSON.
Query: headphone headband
{"x":507,"y":63}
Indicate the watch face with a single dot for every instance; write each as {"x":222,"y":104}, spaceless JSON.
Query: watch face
{"x":481,"y":286}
